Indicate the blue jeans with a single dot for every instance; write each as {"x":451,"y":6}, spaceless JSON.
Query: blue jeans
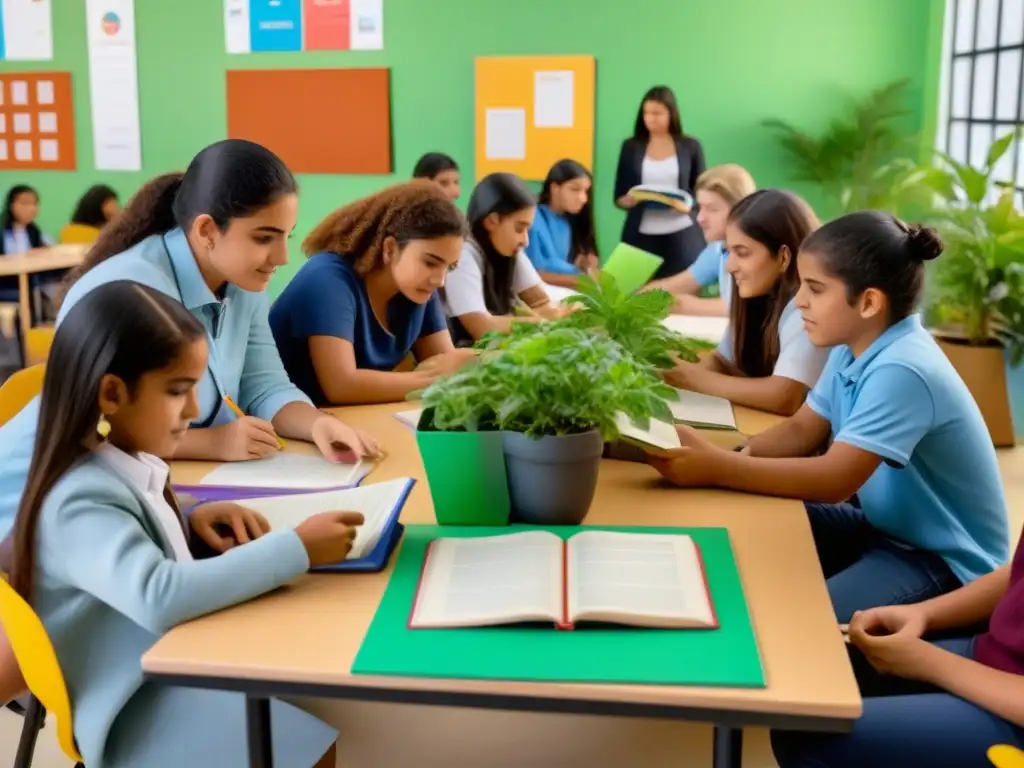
{"x":904,"y":724}
{"x":865,"y":569}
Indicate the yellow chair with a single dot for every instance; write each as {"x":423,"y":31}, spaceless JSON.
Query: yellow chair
{"x":18,"y":391}
{"x":38,"y":663}
{"x":1005,"y":756}
{"x":38,"y":341}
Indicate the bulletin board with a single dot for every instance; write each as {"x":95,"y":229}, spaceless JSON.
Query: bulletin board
{"x":321,"y":121}
{"x":532,"y":111}
{"x":37,"y":121}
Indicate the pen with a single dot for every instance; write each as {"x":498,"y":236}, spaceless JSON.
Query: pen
{"x":238,"y":412}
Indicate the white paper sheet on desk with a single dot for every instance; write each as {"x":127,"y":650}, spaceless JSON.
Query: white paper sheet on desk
{"x":557,"y":294}
{"x":705,"y":328}
{"x":288,"y":470}
{"x":700,"y":410}
{"x":375,"y":502}
{"x":411,"y":419}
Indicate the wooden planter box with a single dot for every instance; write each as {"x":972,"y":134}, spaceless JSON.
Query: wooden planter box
{"x":983,"y":370}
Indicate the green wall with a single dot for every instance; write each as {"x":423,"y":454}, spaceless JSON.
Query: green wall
{"x":731,"y":62}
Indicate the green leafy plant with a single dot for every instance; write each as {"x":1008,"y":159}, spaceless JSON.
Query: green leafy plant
{"x":634,"y":320}
{"x":558,"y":380}
{"x":851,"y":161}
{"x":978,"y":284}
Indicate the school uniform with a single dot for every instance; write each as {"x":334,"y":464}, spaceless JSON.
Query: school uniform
{"x":798,"y":358}
{"x":243,"y":365}
{"x":667,"y":233}
{"x":550,"y":246}
{"x":113,"y":574}
{"x":328,"y":298}
{"x":709,"y":268}
{"x":933,"y":515}
{"x":908,"y":723}
{"x":464,"y":288}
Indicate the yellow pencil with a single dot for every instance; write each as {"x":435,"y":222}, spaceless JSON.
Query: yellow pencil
{"x":238,"y":412}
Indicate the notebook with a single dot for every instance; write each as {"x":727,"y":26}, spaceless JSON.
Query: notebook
{"x":702,"y":411}
{"x":659,"y":434}
{"x":290,"y":471}
{"x":631,"y":267}
{"x":646,"y":580}
{"x":663,"y":196}
{"x":379,"y":503}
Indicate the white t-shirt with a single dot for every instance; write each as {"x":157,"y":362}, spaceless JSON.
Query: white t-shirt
{"x":464,"y":286}
{"x":148,"y":475}
{"x":661,"y":221}
{"x":798,"y":360}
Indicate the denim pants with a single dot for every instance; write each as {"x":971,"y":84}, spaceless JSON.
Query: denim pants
{"x":865,"y":569}
{"x":904,"y":724}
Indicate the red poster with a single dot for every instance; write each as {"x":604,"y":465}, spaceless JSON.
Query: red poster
{"x":327,"y":25}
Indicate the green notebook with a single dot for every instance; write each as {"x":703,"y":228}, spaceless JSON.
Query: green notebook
{"x":726,"y":656}
{"x":631,"y":267}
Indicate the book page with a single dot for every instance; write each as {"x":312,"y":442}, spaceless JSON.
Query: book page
{"x":376,"y":503}
{"x":288,"y":470}
{"x":644,"y":579}
{"x":491,"y":580}
{"x":411,"y":419}
{"x":712,"y":329}
{"x":659,"y":434}
{"x":701,"y":410}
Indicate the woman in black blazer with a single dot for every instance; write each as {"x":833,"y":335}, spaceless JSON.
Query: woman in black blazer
{"x":659,"y":153}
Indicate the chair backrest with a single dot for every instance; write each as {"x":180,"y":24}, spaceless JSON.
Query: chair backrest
{"x":1005,"y":756}
{"x":38,"y":663}
{"x":38,"y":341}
{"x":18,"y":391}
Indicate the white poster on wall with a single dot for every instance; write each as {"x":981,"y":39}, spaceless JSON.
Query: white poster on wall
{"x":114,"y":84}
{"x":236,"y":26}
{"x":27,"y":30}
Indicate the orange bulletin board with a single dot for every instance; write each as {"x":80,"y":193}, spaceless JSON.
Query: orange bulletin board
{"x":532,"y":111}
{"x":319,"y":120}
{"x":37,"y":121}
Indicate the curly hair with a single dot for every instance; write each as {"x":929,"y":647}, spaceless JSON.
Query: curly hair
{"x":415,"y":210}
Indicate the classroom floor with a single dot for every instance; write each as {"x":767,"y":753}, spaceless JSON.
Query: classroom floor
{"x":694,"y":740}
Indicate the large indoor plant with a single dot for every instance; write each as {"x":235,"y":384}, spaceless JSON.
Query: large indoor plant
{"x":976,"y":294}
{"x":554,"y":394}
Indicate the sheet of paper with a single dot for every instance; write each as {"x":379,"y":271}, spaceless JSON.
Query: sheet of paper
{"x":28,"y":30}
{"x":376,"y":502}
{"x":44,"y":93}
{"x":506,"y":134}
{"x":275,"y":25}
{"x":22,"y":122}
{"x":19,"y":93}
{"x":411,"y":419}
{"x":696,"y":408}
{"x":553,"y":99}
{"x":114,"y":85}
{"x":49,"y":150}
{"x":3,"y":149}
{"x":660,"y":434}
{"x":236,"y":26}
{"x":711,"y":329}
{"x":47,"y":122}
{"x":288,"y":470}
{"x":558,"y":294}
{"x":23,"y":150}
{"x":366,"y":25}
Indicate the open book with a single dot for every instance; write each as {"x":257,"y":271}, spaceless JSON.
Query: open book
{"x":648,"y":580}
{"x":659,"y":434}
{"x":289,"y":470}
{"x":702,"y":411}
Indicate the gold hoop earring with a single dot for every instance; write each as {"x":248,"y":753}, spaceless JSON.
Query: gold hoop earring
{"x":103,"y":427}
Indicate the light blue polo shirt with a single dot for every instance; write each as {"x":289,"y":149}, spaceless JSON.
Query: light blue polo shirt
{"x":939,"y":487}
{"x":244,"y":363}
{"x":709,"y":268}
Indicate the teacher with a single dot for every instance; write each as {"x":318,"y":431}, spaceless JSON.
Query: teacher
{"x":210,"y":238}
{"x":660,"y":154}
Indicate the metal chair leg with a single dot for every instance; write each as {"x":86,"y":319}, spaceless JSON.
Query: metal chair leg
{"x":35,"y":715}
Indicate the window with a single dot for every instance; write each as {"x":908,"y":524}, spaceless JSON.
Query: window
{"x":983,"y":83}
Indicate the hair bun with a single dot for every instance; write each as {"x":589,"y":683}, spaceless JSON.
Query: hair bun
{"x":924,"y":243}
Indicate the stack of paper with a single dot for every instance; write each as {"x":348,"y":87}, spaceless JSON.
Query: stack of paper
{"x":289,"y":470}
{"x":663,"y":196}
{"x":702,"y":411}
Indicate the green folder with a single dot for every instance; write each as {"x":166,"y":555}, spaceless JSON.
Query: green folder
{"x":631,"y":267}
{"x":727,"y":656}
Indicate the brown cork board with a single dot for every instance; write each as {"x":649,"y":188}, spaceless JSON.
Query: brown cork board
{"x":37,"y":122}
{"x":319,"y":120}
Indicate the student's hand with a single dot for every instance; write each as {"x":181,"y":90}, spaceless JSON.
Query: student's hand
{"x":245,"y":438}
{"x":695,"y":465}
{"x":627,"y":201}
{"x":902,"y":654}
{"x":684,"y":375}
{"x":328,"y":536}
{"x":447,"y":362}
{"x":340,"y":443}
{"x":245,"y":525}
{"x":589,"y":263}
{"x":891,"y":620}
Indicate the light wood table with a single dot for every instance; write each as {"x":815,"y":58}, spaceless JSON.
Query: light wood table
{"x":810,"y":684}
{"x":35,"y":261}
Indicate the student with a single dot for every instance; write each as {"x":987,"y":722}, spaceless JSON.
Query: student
{"x":440,"y":169}
{"x":94,"y":210}
{"x":936,"y":703}
{"x":494,"y":274}
{"x":562,"y":244}
{"x":20,"y":234}
{"x":367,"y":297}
{"x":210,"y":238}
{"x":660,"y":153}
{"x":103,"y":555}
{"x":718,"y":190}
{"x":909,"y":445}
{"x":765,"y":360}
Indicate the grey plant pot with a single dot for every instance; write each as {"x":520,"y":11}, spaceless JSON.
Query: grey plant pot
{"x":552,"y":480}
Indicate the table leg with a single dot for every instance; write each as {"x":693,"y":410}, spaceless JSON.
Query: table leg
{"x":728,"y":747}
{"x":24,"y":308}
{"x":257,"y":726}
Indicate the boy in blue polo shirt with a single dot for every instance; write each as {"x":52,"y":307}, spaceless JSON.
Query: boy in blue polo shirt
{"x":907,"y":503}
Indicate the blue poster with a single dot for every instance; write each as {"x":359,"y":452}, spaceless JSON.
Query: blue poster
{"x":275,"y":25}
{"x":3,"y":42}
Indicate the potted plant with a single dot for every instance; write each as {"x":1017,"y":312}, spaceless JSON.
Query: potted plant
{"x":976,"y":296}
{"x":555,"y":394}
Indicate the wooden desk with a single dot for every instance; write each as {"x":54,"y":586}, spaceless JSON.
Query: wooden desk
{"x":301,"y":640}
{"x":33,"y":262}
